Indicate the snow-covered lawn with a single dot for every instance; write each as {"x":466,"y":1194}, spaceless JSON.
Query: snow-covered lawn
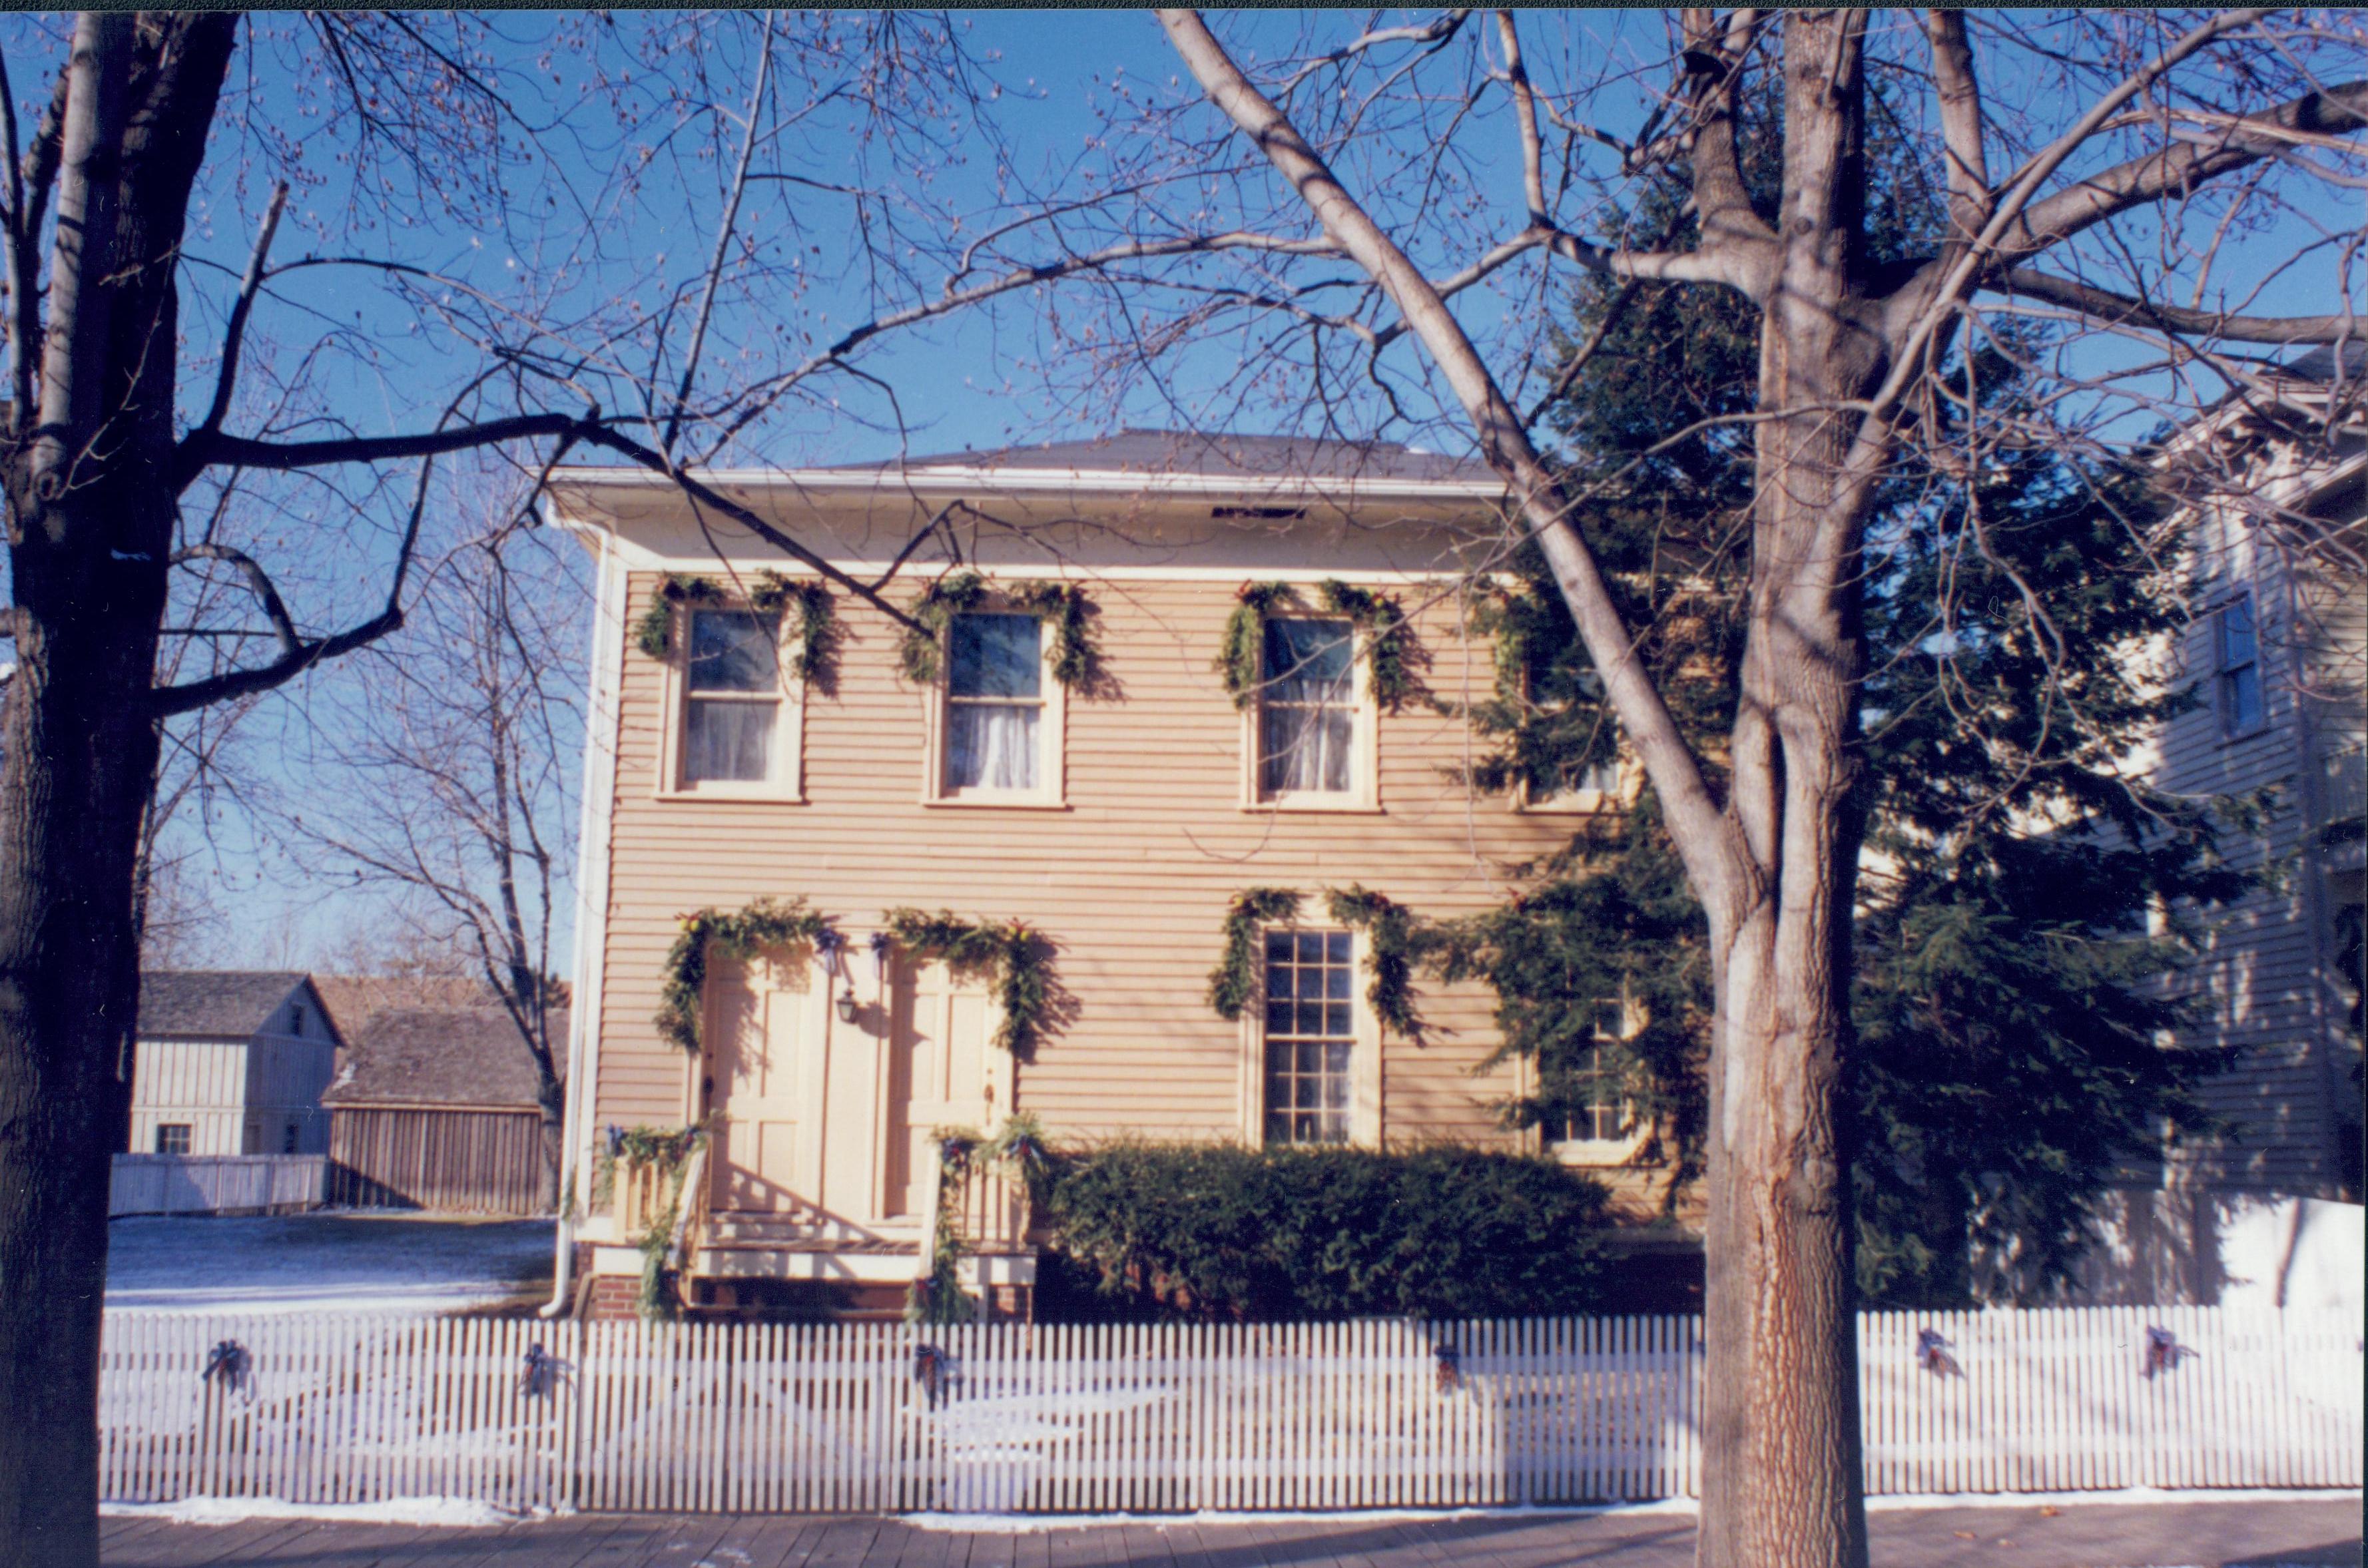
{"x":342,"y":1262}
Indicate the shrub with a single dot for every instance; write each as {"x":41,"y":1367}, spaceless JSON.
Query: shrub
{"x":1217,"y":1231}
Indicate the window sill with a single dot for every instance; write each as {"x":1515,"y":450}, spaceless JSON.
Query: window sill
{"x":1587,"y":804}
{"x":1314,"y":805}
{"x":1594,"y":1155}
{"x":994,"y":804}
{"x":762,"y":795}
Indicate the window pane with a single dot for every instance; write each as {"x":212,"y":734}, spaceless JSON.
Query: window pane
{"x":996,"y":655}
{"x":727,"y":739}
{"x":1278,"y":951}
{"x":1286,"y":745}
{"x":734,"y":650}
{"x":1336,"y":982}
{"x":1336,"y":946}
{"x":2237,"y":645}
{"x":1307,"y":661}
{"x":991,"y":745}
{"x":1277,"y":1017}
{"x":2240,"y":698}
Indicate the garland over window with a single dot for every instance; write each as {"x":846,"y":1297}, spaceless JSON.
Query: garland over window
{"x":1234,"y":982}
{"x":733,"y":934}
{"x":1013,"y":952}
{"x":1394,"y":657}
{"x":1076,"y":657}
{"x":815,"y":626}
{"x":1395,"y":939}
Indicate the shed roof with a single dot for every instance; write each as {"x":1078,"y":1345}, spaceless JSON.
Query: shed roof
{"x":214,"y":1004}
{"x":455,"y":1056}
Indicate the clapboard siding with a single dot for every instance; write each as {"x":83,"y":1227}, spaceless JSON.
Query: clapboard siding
{"x":457,"y":1161}
{"x":1130,"y":882}
{"x":2263,"y":983}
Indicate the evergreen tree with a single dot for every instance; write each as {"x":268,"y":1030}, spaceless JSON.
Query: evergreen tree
{"x":2008,"y":1066}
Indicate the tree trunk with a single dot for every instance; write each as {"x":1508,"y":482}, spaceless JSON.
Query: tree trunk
{"x":1781,"y":1468}
{"x":91,"y":513}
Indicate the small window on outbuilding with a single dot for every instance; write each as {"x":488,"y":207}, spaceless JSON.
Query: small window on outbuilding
{"x":172,"y":1137}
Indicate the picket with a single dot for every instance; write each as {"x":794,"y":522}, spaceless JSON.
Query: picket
{"x":838,"y":1418}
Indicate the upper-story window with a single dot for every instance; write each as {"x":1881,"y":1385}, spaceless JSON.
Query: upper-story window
{"x":2236,"y":664}
{"x":1314,"y":728}
{"x":999,"y":730}
{"x":736,"y":733}
{"x":172,"y":1137}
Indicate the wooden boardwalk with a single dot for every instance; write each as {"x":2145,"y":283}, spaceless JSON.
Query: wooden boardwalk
{"x":2314,"y":1533}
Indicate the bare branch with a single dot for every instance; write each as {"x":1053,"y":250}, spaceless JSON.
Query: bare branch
{"x":258,"y":580}
{"x":1525,"y":114}
{"x":724,"y":230}
{"x":234,"y":332}
{"x":1959,"y":91}
{"x":2109,"y":306}
{"x":1704,"y":838}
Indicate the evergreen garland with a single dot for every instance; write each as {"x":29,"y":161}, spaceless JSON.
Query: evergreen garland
{"x":1018,"y":956}
{"x":736,"y":934}
{"x":817,"y":631}
{"x":1394,"y":657}
{"x":1234,"y":982}
{"x":938,"y":1297}
{"x":1397,"y":939}
{"x":1076,"y":657}
{"x":666,"y":1149}
{"x":1241,"y":659}
{"x":653,"y":634}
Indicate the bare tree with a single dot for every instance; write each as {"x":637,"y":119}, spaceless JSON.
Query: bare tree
{"x":374,"y":145}
{"x":2147,"y":115}
{"x":448,"y":780}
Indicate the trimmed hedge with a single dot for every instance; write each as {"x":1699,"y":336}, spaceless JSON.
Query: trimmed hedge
{"x":1141,"y":1231}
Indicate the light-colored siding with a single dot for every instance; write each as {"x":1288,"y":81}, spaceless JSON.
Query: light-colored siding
{"x":200,"y":1083}
{"x":284,"y":1076}
{"x":1130,"y":882}
{"x":2265,"y":981}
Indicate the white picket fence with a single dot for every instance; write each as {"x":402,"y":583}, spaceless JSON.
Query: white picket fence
{"x":862,"y":1419}
{"x":216,"y":1184}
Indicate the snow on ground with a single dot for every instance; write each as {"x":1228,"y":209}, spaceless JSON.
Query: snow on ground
{"x":329,"y":1262}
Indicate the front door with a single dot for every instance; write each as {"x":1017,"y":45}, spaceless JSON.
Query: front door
{"x":759,"y":1039}
{"x":827,"y":1122}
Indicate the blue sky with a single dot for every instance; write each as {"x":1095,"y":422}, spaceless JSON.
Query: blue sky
{"x":373,"y":352}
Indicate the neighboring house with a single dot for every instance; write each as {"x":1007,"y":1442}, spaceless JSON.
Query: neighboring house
{"x":230,"y":1061}
{"x":2278,"y":648}
{"x":1117,"y":815}
{"x":435,"y":1108}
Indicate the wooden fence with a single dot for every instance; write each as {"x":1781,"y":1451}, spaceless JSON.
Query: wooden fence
{"x":454,"y":1161}
{"x":216,"y":1184}
{"x":1012,"y":1418}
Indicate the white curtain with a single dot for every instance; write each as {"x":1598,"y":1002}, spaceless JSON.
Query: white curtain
{"x":728,"y":740}
{"x":991,"y":745}
{"x":1305,"y":747}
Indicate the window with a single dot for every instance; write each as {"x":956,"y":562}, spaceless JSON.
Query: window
{"x":172,"y":1137}
{"x":995,"y":724}
{"x":1594,"y":1128}
{"x":1307,"y":711}
{"x":288,"y":1139}
{"x":2236,"y":647}
{"x":296,"y":1018}
{"x":733,"y":729}
{"x":1310,"y":1035}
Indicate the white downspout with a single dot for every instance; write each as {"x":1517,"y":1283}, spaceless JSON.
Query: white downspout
{"x":591,"y":902}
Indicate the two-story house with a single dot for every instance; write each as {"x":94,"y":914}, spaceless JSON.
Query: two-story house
{"x":230,"y":1061}
{"x":1086,"y":735}
{"x":2275,"y":482}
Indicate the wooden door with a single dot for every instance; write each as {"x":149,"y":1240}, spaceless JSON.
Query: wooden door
{"x":759,"y":1035}
{"x":940,"y":1073}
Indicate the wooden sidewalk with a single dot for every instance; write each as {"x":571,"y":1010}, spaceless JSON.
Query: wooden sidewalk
{"x":2306,"y":1534}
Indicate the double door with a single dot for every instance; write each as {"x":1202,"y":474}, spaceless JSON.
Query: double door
{"x":826,"y":1123}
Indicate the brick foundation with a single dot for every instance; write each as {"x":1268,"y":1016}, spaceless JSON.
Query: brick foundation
{"x":613,"y":1296}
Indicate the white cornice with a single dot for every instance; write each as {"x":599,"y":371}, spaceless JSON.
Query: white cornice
{"x":972,"y":480}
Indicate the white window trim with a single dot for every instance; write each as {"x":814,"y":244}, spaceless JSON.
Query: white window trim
{"x":2230,"y":734}
{"x":1052,"y":735}
{"x":1365,"y":1085}
{"x":1593,"y":1154}
{"x":1581,"y":803}
{"x":787,"y":784}
{"x":1364,"y":792}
